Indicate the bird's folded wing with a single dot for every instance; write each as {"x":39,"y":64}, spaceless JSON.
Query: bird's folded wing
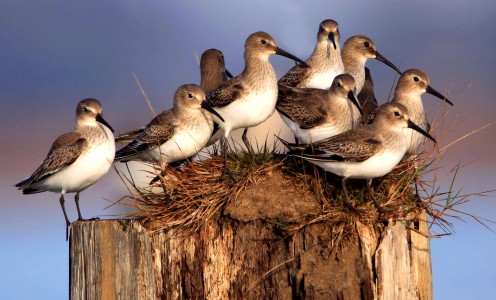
{"x":130,"y":135}
{"x":64,"y":151}
{"x":295,"y":76}
{"x":343,"y":149}
{"x":157,"y":132}
{"x":305,"y":108}
{"x":226,"y":93}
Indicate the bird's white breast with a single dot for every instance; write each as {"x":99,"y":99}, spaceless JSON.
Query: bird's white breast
{"x":90,"y":166}
{"x":376,"y":166}
{"x":188,"y":139}
{"x":252,"y":109}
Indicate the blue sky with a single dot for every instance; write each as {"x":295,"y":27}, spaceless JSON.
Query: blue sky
{"x":55,"y":53}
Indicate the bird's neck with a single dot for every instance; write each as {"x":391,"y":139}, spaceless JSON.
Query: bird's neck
{"x":259,"y":68}
{"x":325,"y":55}
{"x":356,"y":68}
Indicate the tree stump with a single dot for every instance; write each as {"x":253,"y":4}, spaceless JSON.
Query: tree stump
{"x":234,"y":257}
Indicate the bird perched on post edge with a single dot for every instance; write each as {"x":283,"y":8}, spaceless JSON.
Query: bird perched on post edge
{"x":77,"y":159}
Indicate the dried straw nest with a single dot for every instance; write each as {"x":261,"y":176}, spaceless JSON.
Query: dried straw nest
{"x":272,"y":183}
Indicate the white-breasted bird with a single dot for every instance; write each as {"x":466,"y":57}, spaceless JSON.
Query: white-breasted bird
{"x":249,"y":98}
{"x":76,"y":159}
{"x":365,"y":152}
{"x":411,"y":85}
{"x":315,"y":114}
{"x":174,"y":134}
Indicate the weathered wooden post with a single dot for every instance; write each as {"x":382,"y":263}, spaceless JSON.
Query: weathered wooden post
{"x":241,"y":255}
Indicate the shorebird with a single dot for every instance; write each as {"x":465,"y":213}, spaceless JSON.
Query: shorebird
{"x":365,"y":152}
{"x":325,"y":61}
{"x":249,"y":98}
{"x":76,"y":159}
{"x":316,"y":114}
{"x":367,"y":98}
{"x":411,"y":85}
{"x":175,"y":134}
{"x":212,"y":70}
{"x":356,"y":51}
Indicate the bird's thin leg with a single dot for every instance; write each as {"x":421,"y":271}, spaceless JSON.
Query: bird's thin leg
{"x":76,"y":199}
{"x":176,"y":165}
{"x":223,"y":142}
{"x":247,"y":143}
{"x":371,"y":192}
{"x":67,"y":223}
{"x":415,"y":178}
{"x":80,"y":217}
{"x":157,"y":178}
{"x":347,"y":202}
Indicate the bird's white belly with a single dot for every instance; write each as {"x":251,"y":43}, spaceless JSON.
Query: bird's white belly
{"x":317,"y":133}
{"x":322,"y":80}
{"x":182,"y":145}
{"x":249,"y":111}
{"x":376,"y":166}
{"x":82,"y":173}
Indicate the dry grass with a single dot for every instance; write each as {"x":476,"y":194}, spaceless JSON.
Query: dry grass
{"x":198,"y":192}
{"x":195,"y":193}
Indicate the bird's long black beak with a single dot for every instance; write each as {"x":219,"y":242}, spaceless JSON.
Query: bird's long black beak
{"x":354,"y":100}
{"x":206,"y":106}
{"x":229,"y":74}
{"x":417,"y":128}
{"x":384,"y":60}
{"x":432,"y":91}
{"x":282,"y":52}
{"x":333,"y":40}
{"x":100,"y":119}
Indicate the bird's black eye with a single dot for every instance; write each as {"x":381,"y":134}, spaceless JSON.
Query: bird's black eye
{"x":366,"y":44}
{"x":416,"y":78}
{"x":338,"y":84}
{"x":397,"y":113}
{"x":86,"y":109}
{"x":190,"y":96}
{"x":264,"y":42}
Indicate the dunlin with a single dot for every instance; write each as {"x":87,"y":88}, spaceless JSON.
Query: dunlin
{"x":249,"y":98}
{"x":76,"y":159}
{"x":175,"y":134}
{"x":325,"y":61}
{"x":365,"y":152}
{"x":316,"y":114}
{"x":212,"y":69}
{"x":411,"y":85}
{"x":356,"y":51}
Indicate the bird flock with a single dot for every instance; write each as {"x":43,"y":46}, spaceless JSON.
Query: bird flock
{"x":327,"y":102}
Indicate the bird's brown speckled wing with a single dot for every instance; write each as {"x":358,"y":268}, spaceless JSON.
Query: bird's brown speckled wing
{"x":295,"y":76}
{"x":64,"y":151}
{"x":130,"y":135}
{"x":226,"y":93}
{"x":348,"y":146}
{"x":305,"y":107}
{"x":157,"y":132}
